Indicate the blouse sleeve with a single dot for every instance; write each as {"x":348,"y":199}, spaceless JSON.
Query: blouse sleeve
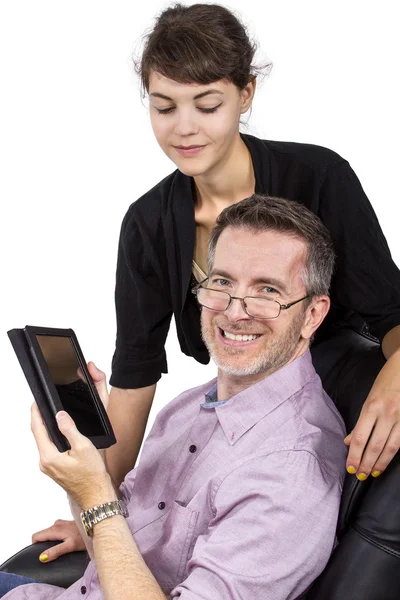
{"x":143,"y":305}
{"x":366,"y":279}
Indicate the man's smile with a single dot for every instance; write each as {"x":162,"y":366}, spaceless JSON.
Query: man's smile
{"x":231,"y":338}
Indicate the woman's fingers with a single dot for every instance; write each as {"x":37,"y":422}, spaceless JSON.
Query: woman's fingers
{"x":373,"y":443}
{"x":358,"y":442}
{"x":376,"y":445}
{"x":61,"y":530}
{"x":389,"y":451}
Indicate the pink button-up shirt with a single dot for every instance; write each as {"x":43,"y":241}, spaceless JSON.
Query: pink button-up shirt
{"x":236,"y":501}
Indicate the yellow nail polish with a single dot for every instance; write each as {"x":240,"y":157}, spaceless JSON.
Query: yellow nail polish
{"x":347,"y":437}
{"x":376,"y":473}
{"x":351,"y":470}
{"x":43,"y":558}
{"x":361,"y":476}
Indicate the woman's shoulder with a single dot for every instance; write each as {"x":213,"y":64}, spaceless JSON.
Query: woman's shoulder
{"x":304,"y":154}
{"x":153,"y":214}
{"x":150,"y":204}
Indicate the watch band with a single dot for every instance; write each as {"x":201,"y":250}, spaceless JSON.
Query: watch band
{"x":96,"y":514}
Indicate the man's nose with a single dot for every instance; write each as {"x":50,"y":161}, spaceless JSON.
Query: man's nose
{"x":235,"y":311}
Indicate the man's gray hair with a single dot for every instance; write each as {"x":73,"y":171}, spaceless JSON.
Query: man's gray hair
{"x":265,"y":213}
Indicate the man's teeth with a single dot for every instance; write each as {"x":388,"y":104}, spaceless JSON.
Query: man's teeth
{"x":240,"y":338}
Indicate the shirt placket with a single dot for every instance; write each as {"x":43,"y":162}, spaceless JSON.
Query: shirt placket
{"x":197,"y":439}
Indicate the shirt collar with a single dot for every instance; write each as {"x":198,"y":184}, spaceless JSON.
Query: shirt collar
{"x":251,"y":405}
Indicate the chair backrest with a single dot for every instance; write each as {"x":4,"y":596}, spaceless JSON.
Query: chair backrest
{"x":365,"y":564}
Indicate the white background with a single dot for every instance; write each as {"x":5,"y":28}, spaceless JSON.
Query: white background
{"x":77,"y":149}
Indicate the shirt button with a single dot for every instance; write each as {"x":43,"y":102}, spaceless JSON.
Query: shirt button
{"x":192,"y":448}
{"x":83,"y":589}
{"x":161,"y":505}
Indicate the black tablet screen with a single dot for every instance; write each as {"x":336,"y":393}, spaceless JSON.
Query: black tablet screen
{"x":71,"y":384}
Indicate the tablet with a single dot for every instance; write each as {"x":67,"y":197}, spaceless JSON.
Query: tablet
{"x":56,"y":371}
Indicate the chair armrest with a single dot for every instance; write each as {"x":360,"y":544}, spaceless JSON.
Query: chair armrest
{"x":359,"y":569}
{"x":62,"y":572}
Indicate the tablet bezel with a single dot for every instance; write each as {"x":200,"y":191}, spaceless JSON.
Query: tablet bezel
{"x":54,"y":402}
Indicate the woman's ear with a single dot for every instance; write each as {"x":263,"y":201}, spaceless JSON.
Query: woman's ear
{"x":247,"y":94}
{"x":315,"y":314}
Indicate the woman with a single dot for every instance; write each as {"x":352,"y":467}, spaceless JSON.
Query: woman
{"x":197,"y":71}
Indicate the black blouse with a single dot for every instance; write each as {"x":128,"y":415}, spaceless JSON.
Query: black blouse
{"x":157,"y":245}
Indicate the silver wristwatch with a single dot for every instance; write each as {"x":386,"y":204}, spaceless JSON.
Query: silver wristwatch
{"x":96,"y":514}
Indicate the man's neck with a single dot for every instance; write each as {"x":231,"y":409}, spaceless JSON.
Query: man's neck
{"x":229,"y":385}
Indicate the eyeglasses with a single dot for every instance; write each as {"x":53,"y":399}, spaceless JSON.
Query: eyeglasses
{"x":256,"y":307}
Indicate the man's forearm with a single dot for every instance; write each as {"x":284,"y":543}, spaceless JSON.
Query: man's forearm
{"x":76,"y":512}
{"x":128,"y":411}
{"x":122,"y":570}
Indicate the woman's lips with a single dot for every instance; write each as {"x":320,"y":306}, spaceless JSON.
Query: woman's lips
{"x":188,"y":150}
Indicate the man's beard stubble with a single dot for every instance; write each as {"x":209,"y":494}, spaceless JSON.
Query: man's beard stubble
{"x":275,"y":353}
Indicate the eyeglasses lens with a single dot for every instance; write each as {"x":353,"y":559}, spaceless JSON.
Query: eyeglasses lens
{"x":261,"y":308}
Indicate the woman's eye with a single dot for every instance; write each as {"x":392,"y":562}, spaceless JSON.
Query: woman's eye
{"x":209,"y":110}
{"x":269,"y":290}
{"x":164,"y":111}
{"x":167,"y":111}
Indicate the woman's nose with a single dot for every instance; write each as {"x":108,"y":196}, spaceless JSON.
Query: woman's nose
{"x":186,"y":124}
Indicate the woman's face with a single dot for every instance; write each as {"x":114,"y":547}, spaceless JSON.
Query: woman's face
{"x":197,"y":125}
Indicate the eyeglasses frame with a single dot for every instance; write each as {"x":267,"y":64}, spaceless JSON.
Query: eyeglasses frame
{"x":196,"y":287}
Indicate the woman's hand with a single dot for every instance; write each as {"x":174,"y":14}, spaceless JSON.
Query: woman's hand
{"x":375,"y":439}
{"x":67,"y":531}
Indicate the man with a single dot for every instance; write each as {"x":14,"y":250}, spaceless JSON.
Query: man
{"x":238,"y":488}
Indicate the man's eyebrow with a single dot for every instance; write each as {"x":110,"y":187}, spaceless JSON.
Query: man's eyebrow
{"x":215,"y":272}
{"x":271,"y":281}
{"x":197,"y":97}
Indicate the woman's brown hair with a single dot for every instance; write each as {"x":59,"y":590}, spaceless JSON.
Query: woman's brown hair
{"x":200,"y":43}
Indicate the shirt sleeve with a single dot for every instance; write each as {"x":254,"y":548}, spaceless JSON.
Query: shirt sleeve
{"x":272,"y":534}
{"x":143,"y":306}
{"x":126,"y":487}
{"x":366,"y":279}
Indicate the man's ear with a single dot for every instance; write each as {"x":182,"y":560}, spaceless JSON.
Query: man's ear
{"x":315,"y":314}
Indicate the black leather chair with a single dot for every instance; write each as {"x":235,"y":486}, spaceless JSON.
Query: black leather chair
{"x":366,"y":560}
{"x":365,"y":563}
{"x":62,"y":572}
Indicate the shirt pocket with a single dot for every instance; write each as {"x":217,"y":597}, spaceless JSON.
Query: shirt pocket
{"x":167,"y":558}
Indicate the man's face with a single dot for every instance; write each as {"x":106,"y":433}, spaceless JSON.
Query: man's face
{"x":266,"y":264}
